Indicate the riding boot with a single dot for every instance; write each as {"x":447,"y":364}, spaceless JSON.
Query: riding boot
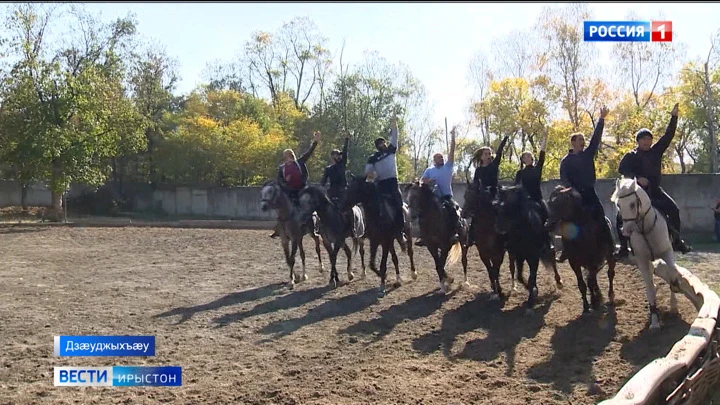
{"x":678,"y":243}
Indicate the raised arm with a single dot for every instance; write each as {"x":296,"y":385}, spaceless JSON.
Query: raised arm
{"x":451,"y":153}
{"x":662,"y":144}
{"x":541,"y":155}
{"x":597,"y":133}
{"x":394,"y":134}
{"x":344,"y":158}
{"x":499,"y":153}
{"x":306,"y":156}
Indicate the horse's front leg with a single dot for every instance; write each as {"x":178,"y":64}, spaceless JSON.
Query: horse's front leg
{"x":611,"y":276}
{"x":348,"y":253}
{"x":361,"y":241}
{"x":290,"y":259}
{"x":333,"y":259}
{"x":334,"y":279}
{"x":396,"y":263}
{"x":387,"y":246}
{"x":534,"y":263}
{"x":646,"y":272}
{"x":581,"y":285}
{"x":304,"y":276}
{"x":373,"y":257}
{"x":411,"y":255}
{"x":317,"y":250}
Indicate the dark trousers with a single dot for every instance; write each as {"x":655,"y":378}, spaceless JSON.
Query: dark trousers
{"x":451,"y":207}
{"x":336,"y":194}
{"x":390,"y":188}
{"x":665,"y":204}
{"x":717,"y":230}
{"x":591,"y":200}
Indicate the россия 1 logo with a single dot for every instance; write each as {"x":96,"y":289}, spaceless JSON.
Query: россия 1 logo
{"x":627,"y":31}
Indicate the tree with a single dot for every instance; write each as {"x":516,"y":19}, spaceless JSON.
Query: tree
{"x":643,"y":66}
{"x":567,"y":59}
{"x":82,"y":109}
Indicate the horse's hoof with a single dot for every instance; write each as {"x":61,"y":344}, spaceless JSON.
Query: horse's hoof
{"x":466,"y":284}
{"x":381,"y":293}
{"x":449,"y":280}
{"x":351,"y":276}
{"x":397,"y":284}
{"x":304,"y":277}
{"x":654,"y":328}
{"x":363,"y":275}
{"x":559,"y":285}
{"x":414,"y":275}
{"x":494,"y":297}
{"x":291,"y":286}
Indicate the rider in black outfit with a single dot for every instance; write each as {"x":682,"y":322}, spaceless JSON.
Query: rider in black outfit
{"x":487,"y":170}
{"x":335,"y":173}
{"x":530,"y":176}
{"x":645,"y":164}
{"x":577,"y":170}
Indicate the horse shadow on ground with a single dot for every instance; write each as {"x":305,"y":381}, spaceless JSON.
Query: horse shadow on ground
{"x":505,"y":329}
{"x":575,"y":346}
{"x":332,"y":308}
{"x":240,"y":297}
{"x":413,"y":309}
{"x":649,"y":345}
{"x":294,"y":299}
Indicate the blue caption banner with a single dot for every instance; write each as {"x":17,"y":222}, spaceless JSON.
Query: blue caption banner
{"x":118,"y":376}
{"x":96,"y":346}
{"x":617,"y":31}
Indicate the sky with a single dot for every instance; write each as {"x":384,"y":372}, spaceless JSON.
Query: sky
{"x":437,"y":40}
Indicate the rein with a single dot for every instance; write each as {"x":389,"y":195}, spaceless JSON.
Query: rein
{"x":640,"y":220}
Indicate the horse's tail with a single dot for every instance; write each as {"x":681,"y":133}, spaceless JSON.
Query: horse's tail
{"x":455,"y":254}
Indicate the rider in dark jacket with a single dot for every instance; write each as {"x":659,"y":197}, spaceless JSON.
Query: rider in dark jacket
{"x":335,"y":173}
{"x":645,"y":164}
{"x":487,"y":171}
{"x":577,"y":170}
{"x":530,"y":176}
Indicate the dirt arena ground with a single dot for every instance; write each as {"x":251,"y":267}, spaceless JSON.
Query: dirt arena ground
{"x":216,"y":302}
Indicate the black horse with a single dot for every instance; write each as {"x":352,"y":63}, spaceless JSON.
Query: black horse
{"x":520,"y":219}
{"x":378,"y":230}
{"x":335,"y":227}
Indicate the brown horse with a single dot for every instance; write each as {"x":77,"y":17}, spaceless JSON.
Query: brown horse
{"x":489,"y":242}
{"x":436,"y":232}
{"x":379,"y":231}
{"x":583,"y":243}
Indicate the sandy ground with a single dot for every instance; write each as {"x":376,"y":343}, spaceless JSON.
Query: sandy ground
{"x":216,"y":302}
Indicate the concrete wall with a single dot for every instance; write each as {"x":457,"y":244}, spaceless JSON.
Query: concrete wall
{"x":694,"y":194}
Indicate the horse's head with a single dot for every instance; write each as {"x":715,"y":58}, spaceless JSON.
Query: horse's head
{"x":311,"y":199}
{"x":509,"y":208}
{"x":358,"y":191}
{"x":269,"y":195}
{"x":475,"y":198}
{"x":565,"y":204}
{"x":631,"y":200}
{"x":419,"y":194}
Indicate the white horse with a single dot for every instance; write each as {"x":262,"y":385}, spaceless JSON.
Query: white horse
{"x":647,"y":230}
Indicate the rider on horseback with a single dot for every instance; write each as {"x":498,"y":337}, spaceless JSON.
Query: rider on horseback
{"x":293,"y":174}
{"x":645,"y":164}
{"x":441,"y":176}
{"x":487,"y":170}
{"x":530,"y":175}
{"x":335,"y":173}
{"x":383,"y":164}
{"x":577,"y":170}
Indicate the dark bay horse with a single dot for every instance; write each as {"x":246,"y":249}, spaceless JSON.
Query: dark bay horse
{"x":290,"y":229}
{"x":335,"y":227}
{"x":520,"y":219}
{"x":379,"y":231}
{"x":436,"y":233}
{"x":490,"y":243}
{"x":583,"y":242}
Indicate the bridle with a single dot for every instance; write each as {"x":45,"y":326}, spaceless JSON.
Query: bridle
{"x":272,"y":203}
{"x":640,"y":219}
